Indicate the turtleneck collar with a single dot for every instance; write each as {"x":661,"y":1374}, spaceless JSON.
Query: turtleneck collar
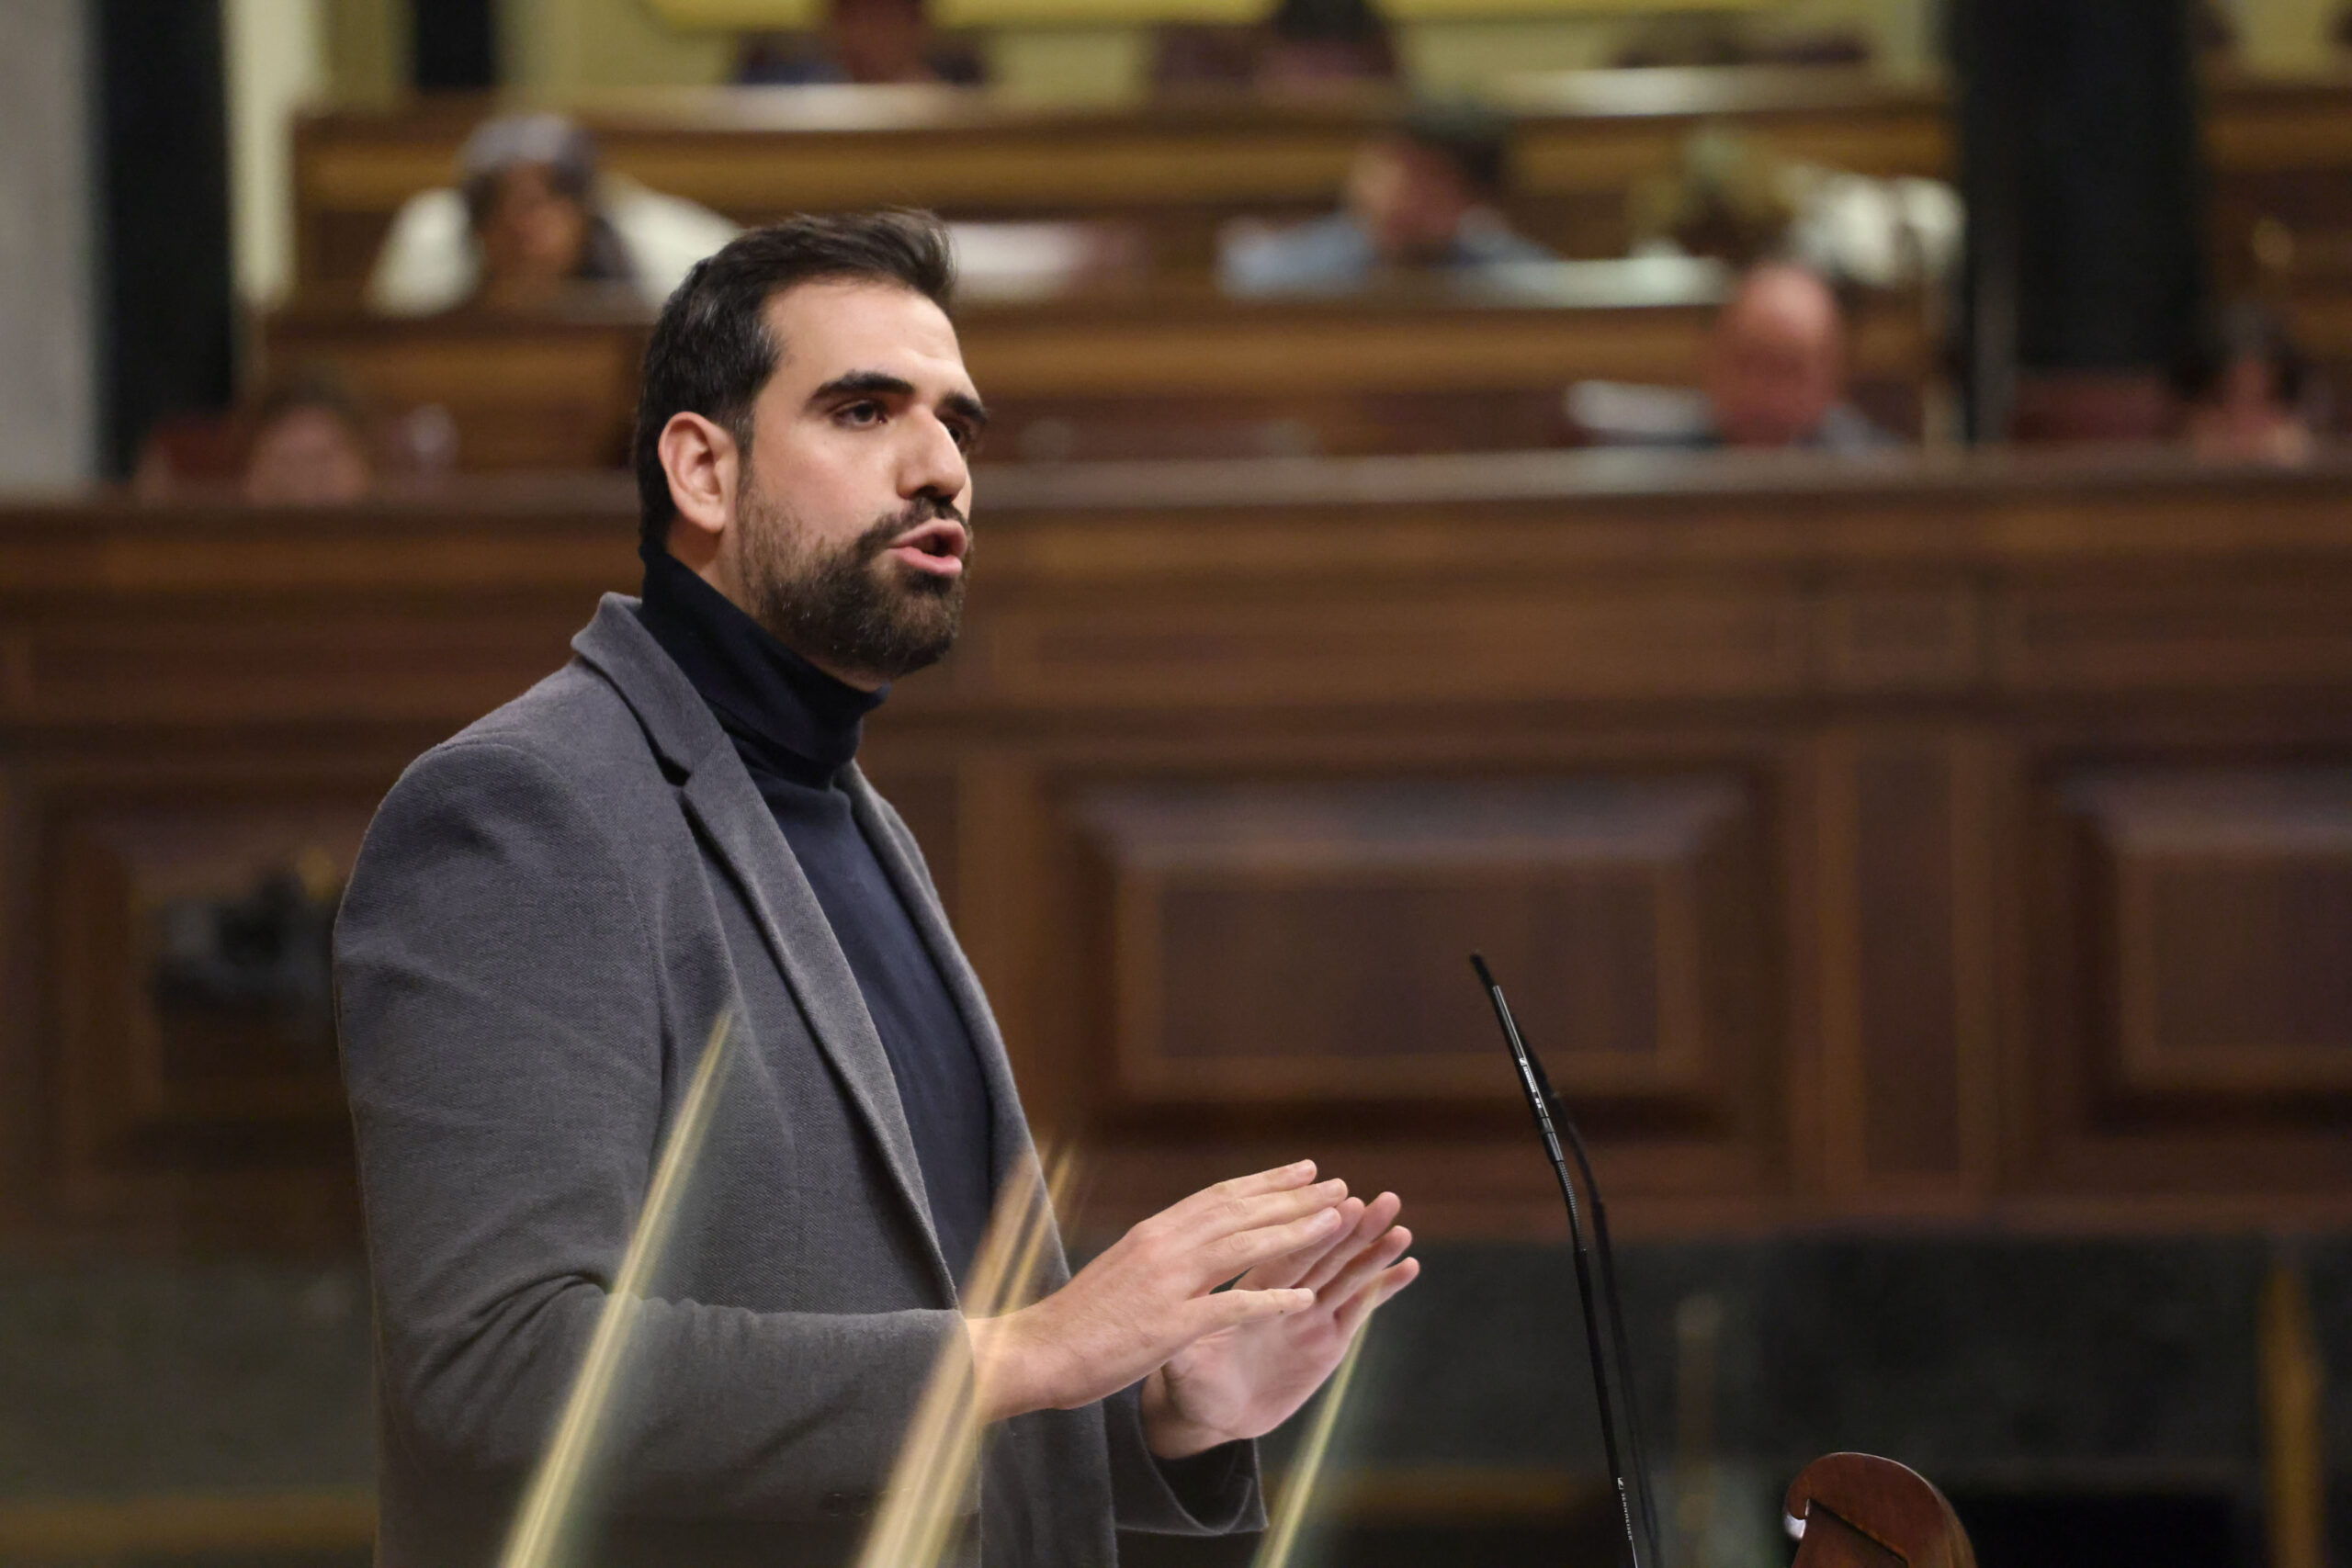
{"x":793,"y":716}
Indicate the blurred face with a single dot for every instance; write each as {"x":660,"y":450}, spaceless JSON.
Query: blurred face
{"x":851,"y":529}
{"x":1409,"y":199}
{"x":1775,"y":365}
{"x":533,"y":237}
{"x":306,"y":457}
{"x":2244,"y":419}
{"x":880,"y":41}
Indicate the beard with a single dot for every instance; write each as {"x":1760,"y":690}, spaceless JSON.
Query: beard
{"x":849,"y":608}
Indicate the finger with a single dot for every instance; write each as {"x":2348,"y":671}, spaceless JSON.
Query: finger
{"x":1348,"y":1317}
{"x":1231,"y":1217}
{"x":1281,"y":1178}
{"x":1229,"y":1256}
{"x":1374,"y":1221}
{"x":1390,"y":1247}
{"x":1301,"y":1267}
{"x":1232,"y":1309}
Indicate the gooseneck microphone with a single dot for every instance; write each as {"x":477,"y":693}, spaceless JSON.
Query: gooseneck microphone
{"x":1552,"y":1118}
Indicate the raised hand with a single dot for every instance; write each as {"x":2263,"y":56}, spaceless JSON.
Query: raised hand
{"x":1154,"y":1292}
{"x":1244,"y":1381}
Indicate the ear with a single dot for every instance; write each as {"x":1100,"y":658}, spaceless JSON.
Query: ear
{"x":705,"y":468}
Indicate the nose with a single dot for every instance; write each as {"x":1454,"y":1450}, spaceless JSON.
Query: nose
{"x":934,"y":463}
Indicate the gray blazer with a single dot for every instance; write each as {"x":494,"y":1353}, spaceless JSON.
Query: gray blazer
{"x":548,"y":913}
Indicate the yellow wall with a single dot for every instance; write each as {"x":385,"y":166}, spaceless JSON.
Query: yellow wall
{"x":367,"y":50}
{"x":558,"y":47}
{"x":2287,"y":37}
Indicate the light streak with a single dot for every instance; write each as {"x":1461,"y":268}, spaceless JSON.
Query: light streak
{"x":542,"y":1528}
{"x":1298,"y":1487}
{"x":933,"y":1471}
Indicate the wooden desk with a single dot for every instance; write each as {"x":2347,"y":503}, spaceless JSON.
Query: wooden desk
{"x":1176,"y":170}
{"x":1583,"y":140}
{"x":1970,"y":841}
{"x":1166,"y":373}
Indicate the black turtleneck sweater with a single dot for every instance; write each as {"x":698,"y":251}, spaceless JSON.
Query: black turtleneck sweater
{"x":796,"y":728}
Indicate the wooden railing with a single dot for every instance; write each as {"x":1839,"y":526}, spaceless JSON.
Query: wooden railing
{"x":1166,"y":372}
{"x":1967,"y":840}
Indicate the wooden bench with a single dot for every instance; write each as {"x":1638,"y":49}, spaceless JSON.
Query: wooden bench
{"x":1964,"y":839}
{"x":1176,"y":171}
{"x":1582,"y":141}
{"x":1163,"y":373}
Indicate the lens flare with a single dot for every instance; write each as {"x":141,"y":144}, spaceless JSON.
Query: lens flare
{"x":932,"y":1478}
{"x":1298,"y":1487}
{"x":543,"y":1526}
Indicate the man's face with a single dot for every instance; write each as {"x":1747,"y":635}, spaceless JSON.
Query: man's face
{"x":852,"y":524}
{"x":1776,"y":363}
{"x":308,"y":457}
{"x":881,"y":41}
{"x":1409,"y":199}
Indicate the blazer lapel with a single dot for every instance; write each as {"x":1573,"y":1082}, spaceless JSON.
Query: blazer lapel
{"x":726,"y":807}
{"x":883,"y":830}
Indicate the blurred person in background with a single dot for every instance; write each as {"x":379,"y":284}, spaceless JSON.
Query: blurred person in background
{"x":1305,"y":45}
{"x":870,"y":43}
{"x":2246,"y":390}
{"x":1773,"y":375}
{"x":1308,"y":42}
{"x":307,"y":441}
{"x":311,"y":447}
{"x":1776,"y":367}
{"x":532,"y":221}
{"x":1419,"y":199}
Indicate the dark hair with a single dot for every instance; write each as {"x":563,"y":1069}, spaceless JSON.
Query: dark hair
{"x":2240,"y":330}
{"x":318,"y":387}
{"x":1328,"y":21}
{"x":1477,"y":142}
{"x":712,"y":351}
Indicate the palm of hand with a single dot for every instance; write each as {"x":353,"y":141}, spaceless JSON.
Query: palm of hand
{"x":1244,"y":1382}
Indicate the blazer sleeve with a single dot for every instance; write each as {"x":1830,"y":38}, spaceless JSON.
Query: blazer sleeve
{"x":502,"y":1009}
{"x":1211,"y":1493}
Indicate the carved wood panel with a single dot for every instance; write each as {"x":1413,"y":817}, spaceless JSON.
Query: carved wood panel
{"x":2194,"y":996}
{"x":186,"y":925}
{"x":1286,"y":960}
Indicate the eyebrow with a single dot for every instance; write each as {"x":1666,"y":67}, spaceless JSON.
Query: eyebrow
{"x":881,"y":383}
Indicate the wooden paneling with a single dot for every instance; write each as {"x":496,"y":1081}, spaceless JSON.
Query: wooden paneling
{"x":2192,"y":995}
{"x":1170,"y":373}
{"x":1716,"y":637}
{"x":1957,"y":839}
{"x":186,"y":993}
{"x":2230,"y":898}
{"x":1307,"y":942}
{"x":543,"y":392}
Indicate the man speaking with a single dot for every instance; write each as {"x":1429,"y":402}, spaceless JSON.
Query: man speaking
{"x":552,"y":908}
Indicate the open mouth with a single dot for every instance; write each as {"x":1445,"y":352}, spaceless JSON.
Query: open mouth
{"x":936,"y":546}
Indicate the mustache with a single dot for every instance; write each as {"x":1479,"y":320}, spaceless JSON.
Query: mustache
{"x":914,"y":514}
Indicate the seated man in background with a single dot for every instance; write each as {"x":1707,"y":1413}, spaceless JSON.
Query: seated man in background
{"x":1316,"y":42}
{"x":533,"y":218}
{"x":870,"y":43}
{"x":311,"y":447}
{"x":305,"y":441}
{"x":2246,"y":390}
{"x":1774,"y":376}
{"x":1419,"y":199}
